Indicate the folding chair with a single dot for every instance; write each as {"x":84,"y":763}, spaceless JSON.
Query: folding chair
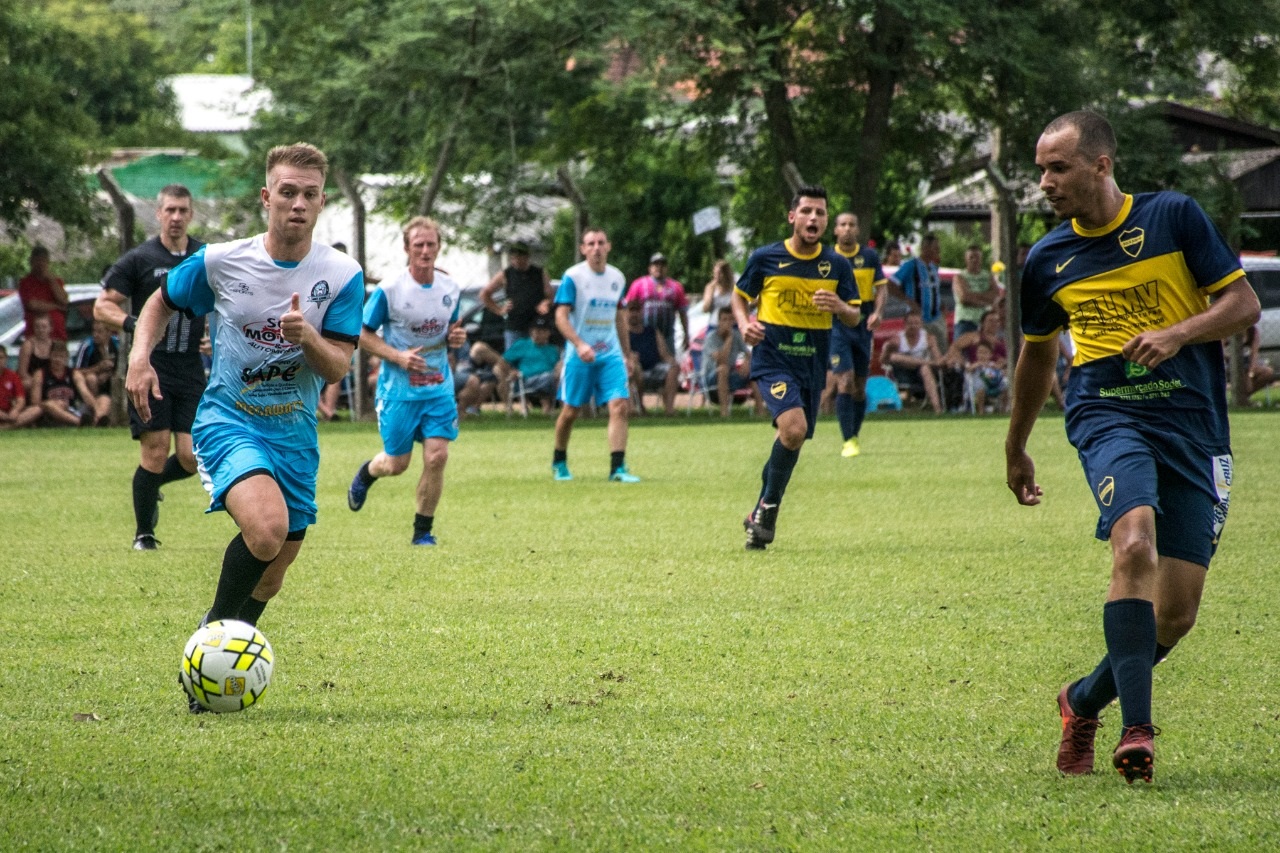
{"x":882,"y":393}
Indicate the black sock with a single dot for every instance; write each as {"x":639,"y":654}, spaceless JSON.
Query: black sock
{"x":241,"y":572}
{"x":559,"y":456}
{"x":777,"y":472}
{"x":859,"y":412}
{"x":1095,"y":691}
{"x":1129,"y":625}
{"x":845,"y":415}
{"x":422,"y":523}
{"x":145,"y":488}
{"x":616,"y":459}
{"x":366,"y":478}
{"x":251,"y":610}
{"x":173,"y":470}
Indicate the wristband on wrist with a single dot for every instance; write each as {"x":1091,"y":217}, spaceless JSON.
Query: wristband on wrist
{"x":130,"y":323}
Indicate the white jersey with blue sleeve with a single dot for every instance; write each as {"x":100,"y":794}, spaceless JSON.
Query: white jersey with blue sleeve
{"x":594,"y":298}
{"x":257,"y":376}
{"x":411,"y":314}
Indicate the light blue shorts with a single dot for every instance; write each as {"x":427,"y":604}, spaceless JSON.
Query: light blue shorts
{"x":402,"y":422}
{"x":604,"y":379}
{"x":227,"y":453}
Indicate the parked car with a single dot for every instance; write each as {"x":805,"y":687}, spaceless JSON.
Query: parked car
{"x":79,"y":319}
{"x":1264,"y":275}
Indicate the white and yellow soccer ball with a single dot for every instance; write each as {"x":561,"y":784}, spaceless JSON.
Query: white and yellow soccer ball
{"x":227,"y":666}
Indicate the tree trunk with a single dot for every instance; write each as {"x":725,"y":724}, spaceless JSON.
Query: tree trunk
{"x":892,"y":34}
{"x":124,"y":223}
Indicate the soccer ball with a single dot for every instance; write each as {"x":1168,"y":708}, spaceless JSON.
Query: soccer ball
{"x":226,"y":666}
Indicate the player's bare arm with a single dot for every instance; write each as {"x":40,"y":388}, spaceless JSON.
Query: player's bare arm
{"x":751,"y":328}
{"x":827,"y":300}
{"x":1031,"y":385}
{"x":406,"y":359}
{"x":565,"y":327}
{"x":109,"y":309}
{"x":141,"y":381}
{"x":1234,"y":309}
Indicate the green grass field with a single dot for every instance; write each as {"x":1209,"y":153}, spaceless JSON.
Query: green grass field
{"x":593,"y":666}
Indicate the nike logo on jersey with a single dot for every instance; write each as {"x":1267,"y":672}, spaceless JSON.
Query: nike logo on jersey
{"x":1062,"y":266}
{"x":784,"y":266}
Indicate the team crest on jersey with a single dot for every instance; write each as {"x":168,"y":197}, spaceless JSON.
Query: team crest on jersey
{"x":266,"y":335}
{"x":240,"y":287}
{"x":778,"y":390}
{"x":1131,"y":240}
{"x":824,"y":268}
{"x":1106,"y":490}
{"x":320,"y":293}
{"x":447,"y":301}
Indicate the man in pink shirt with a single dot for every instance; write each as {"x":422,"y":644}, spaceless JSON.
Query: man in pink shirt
{"x":662,"y":300}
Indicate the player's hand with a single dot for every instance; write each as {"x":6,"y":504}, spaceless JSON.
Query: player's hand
{"x":293,"y":326}
{"x":585,"y":352}
{"x":873,"y":321}
{"x":411,"y":361}
{"x":827,"y":300}
{"x":457,"y":336}
{"x":752,"y":332}
{"x":142,"y":384}
{"x":1020,"y":477}
{"x":1151,"y":348}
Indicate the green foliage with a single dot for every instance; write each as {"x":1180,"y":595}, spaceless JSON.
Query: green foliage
{"x":580,"y":666}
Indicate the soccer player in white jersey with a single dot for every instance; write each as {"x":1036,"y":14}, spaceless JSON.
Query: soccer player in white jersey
{"x":597,"y":345}
{"x":418,"y":314}
{"x":286,"y":314}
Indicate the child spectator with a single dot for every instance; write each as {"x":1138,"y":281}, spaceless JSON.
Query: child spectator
{"x":985,"y":380}
{"x":14,"y":411}
{"x":56,"y":394}
{"x":33,"y":355}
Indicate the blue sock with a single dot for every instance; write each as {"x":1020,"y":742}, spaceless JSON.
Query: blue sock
{"x":1129,"y":625}
{"x":777,"y":472}
{"x":846,"y":414}
{"x":1091,"y":694}
{"x":859,"y":413}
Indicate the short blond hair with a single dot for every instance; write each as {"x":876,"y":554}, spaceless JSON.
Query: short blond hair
{"x":420,"y":222}
{"x":300,"y":155}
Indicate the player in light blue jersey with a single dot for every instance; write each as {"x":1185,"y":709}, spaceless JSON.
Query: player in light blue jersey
{"x":1148,"y":289}
{"x":287,"y":317}
{"x":597,"y":346}
{"x":418,"y":314}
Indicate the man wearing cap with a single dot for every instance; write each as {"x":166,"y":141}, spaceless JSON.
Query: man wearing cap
{"x":662,"y":299}
{"x":537,"y":360}
{"x":528,"y":294}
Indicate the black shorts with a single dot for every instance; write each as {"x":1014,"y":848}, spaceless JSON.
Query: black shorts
{"x":181,"y":385}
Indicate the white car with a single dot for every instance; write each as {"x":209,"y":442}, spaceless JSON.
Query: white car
{"x":79,"y":319}
{"x":1264,"y":275}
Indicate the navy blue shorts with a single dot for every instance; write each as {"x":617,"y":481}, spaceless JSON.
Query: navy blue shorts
{"x":850,"y":348}
{"x":781,"y":392}
{"x":1188,"y":486}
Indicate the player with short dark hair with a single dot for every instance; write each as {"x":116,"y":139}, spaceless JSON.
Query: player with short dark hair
{"x":1148,"y":289}
{"x":287,"y":317}
{"x":851,"y":345}
{"x":126,"y":287}
{"x":796,"y":286}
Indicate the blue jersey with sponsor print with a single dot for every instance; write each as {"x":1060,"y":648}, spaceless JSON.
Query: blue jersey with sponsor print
{"x":412,"y":314}
{"x":867,"y":277}
{"x":797,"y":335}
{"x":594,"y":298}
{"x":1153,"y":266}
{"x":257,"y":376}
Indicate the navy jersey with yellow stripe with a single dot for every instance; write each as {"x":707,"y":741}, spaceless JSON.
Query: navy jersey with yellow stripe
{"x":1154,"y":265}
{"x":867,"y":276}
{"x":797,"y":334}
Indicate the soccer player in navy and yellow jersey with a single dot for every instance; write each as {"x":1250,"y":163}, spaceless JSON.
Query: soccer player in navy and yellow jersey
{"x":797,"y":286}
{"x":1131,"y":277}
{"x":851,"y":345}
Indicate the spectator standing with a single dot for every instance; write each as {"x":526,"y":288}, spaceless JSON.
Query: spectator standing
{"x":14,"y":411}
{"x":418,"y":315}
{"x":718,"y":293}
{"x":44,"y":293}
{"x":1146,"y":410}
{"x":976,"y":292}
{"x":519,"y":294}
{"x":597,"y":347}
{"x":798,"y":286}
{"x":94,"y":367}
{"x":918,"y":282}
{"x":663,"y":301}
{"x":287,"y":318}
